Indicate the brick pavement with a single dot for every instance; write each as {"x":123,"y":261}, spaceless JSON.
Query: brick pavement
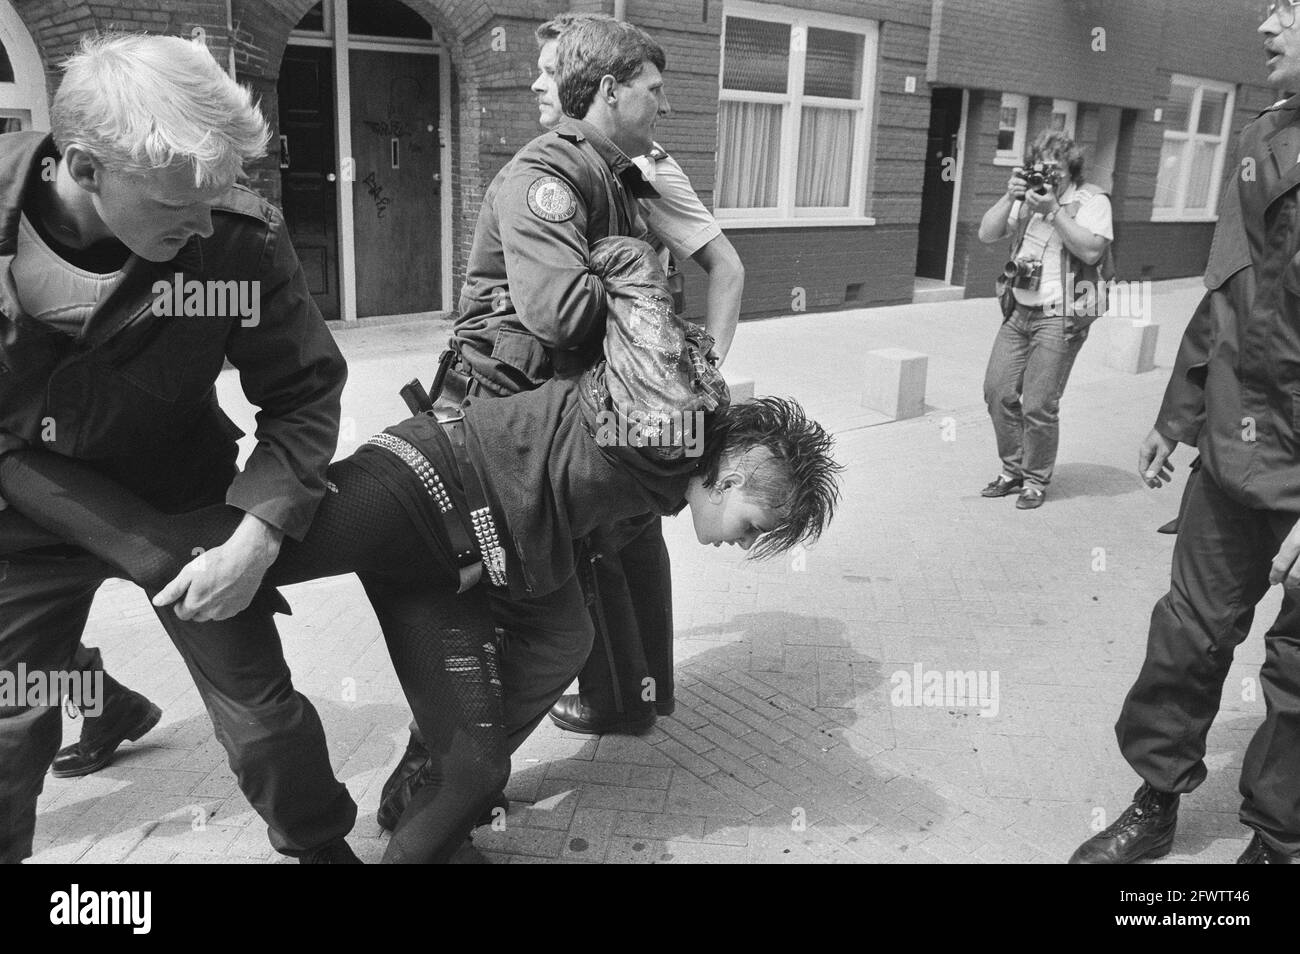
{"x":785,"y":746}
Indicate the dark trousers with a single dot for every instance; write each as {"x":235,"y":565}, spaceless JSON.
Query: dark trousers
{"x":272,"y":735}
{"x":1222,"y":557}
{"x":545,"y":643}
{"x":629,"y":587}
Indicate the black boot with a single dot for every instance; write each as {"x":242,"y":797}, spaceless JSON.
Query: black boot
{"x":572,"y":714}
{"x":1260,"y":852}
{"x":1144,"y":830}
{"x":401,"y":785}
{"x":408,"y":777}
{"x":126,"y":716}
{"x":336,"y":852}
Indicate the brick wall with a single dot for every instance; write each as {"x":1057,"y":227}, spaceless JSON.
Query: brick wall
{"x":1048,"y":48}
{"x":975,"y":45}
{"x":57,"y":25}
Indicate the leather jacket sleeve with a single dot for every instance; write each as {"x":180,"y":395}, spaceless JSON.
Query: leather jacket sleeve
{"x":1182,"y":413}
{"x":291,"y":369}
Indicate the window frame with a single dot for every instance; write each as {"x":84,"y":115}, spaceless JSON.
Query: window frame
{"x":1188,"y":136}
{"x":26,"y":98}
{"x":1016,"y":154}
{"x":793,"y":101}
{"x":1070,"y":108}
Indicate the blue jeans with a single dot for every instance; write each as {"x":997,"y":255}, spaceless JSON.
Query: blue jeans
{"x":1030,"y":364}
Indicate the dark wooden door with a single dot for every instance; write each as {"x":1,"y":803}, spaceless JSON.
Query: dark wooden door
{"x":308,"y":170}
{"x":940,"y":184}
{"x":396,"y":198}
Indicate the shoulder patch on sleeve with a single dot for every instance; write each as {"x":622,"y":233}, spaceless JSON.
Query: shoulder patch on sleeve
{"x":552,"y":199}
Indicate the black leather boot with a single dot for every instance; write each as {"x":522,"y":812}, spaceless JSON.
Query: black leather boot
{"x":407,"y":778}
{"x":126,"y":716}
{"x":573,"y":715}
{"x":336,"y":852}
{"x":401,"y":785}
{"x":1144,"y":830}
{"x":1260,"y":852}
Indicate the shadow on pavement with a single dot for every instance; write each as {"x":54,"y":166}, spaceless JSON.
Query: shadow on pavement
{"x":767,"y":757}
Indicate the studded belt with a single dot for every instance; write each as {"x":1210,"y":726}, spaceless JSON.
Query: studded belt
{"x":473,"y":536}
{"x":480,"y":513}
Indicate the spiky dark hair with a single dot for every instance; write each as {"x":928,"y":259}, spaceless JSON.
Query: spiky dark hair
{"x":800,"y":476}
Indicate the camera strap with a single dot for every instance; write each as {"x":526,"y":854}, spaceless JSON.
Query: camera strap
{"x":1022,"y":227}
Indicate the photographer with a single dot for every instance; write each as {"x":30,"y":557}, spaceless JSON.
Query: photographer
{"x":1061,"y":230}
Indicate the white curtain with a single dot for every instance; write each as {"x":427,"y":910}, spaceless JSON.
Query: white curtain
{"x":749,"y":154}
{"x":1170,"y":169}
{"x":825,"y":157}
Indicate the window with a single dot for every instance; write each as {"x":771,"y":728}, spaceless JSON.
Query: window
{"x":1197,"y":119}
{"x":794,"y":115}
{"x":1065,"y":116}
{"x":387,"y":18}
{"x":1013,"y":121}
{"x":23,"y":103}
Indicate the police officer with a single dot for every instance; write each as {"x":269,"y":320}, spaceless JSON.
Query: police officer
{"x":531,"y":309}
{"x":1232,"y":396}
{"x":628,"y":678}
{"x":132,"y":190}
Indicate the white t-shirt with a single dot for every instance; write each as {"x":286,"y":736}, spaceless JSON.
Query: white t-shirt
{"x":677,"y":217}
{"x":53,"y":290}
{"x":1042,"y":240}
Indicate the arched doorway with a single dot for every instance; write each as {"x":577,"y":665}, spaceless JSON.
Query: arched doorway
{"x":363,"y":101}
{"x":24,"y":102}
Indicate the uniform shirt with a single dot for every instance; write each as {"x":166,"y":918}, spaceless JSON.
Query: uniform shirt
{"x":1043,"y":241}
{"x":531,"y":308}
{"x":677,"y":217}
{"x":1235,"y":389}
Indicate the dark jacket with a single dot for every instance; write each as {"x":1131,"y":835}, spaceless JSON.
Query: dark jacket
{"x":1235,"y":390}
{"x":531,"y":308}
{"x":135,"y":393}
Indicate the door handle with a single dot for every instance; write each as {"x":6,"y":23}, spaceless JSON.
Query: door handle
{"x":330,"y":177}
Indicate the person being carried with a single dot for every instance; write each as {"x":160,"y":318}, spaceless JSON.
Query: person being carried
{"x":455,"y":505}
{"x":531,"y":309}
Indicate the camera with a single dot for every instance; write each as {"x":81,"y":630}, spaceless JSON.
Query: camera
{"x":1023,"y":273}
{"x":1041,"y":176}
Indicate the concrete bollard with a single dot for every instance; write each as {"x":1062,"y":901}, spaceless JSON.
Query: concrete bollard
{"x":1133,"y":345}
{"x":741,"y":388}
{"x":895,"y":382}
